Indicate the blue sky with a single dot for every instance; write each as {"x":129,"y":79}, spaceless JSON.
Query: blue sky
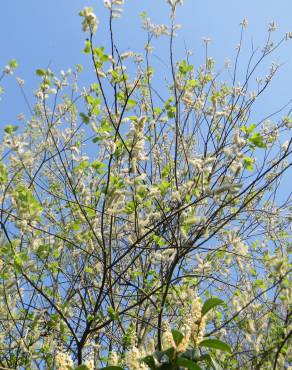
{"x":38,"y":33}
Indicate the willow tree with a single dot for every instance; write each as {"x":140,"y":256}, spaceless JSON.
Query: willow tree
{"x":145,"y":226}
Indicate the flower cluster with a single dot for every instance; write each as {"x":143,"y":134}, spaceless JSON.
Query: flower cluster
{"x":90,"y":21}
{"x":115,"y":7}
{"x":193,"y":329}
{"x":63,"y":360}
{"x":156,"y":29}
{"x":133,"y":359}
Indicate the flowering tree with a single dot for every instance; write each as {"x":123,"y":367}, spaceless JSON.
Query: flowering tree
{"x":142,"y":228}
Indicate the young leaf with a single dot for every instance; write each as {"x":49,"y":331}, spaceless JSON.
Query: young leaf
{"x":248,"y":163}
{"x":40,"y":72}
{"x":211,"y":303}
{"x":13,"y":64}
{"x":112,"y":313}
{"x":257,"y":140}
{"x":216,"y":344}
{"x":9,"y":129}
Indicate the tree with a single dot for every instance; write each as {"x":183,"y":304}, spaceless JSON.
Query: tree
{"x":142,"y":228}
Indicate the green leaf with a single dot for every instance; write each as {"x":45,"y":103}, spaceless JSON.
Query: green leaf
{"x":26,"y":202}
{"x":169,"y":353}
{"x":96,"y":139}
{"x":166,"y":170}
{"x":184,"y":68}
{"x":90,"y":212}
{"x":216,"y":344}
{"x":41,"y":72}
{"x":166,"y":367}
{"x":82,"y":166}
{"x":157,"y":111}
{"x":87,"y":48}
{"x":211,"y":303}
{"x":79,"y":68}
{"x":248,"y":129}
{"x":81,"y":367}
{"x":20,"y":259}
{"x":89,"y":270}
{"x":131,"y":103}
{"x":163,"y":187}
{"x":257,"y":140}
{"x":143,"y":15}
{"x":248,"y":163}
{"x":191,"y":354}
{"x":13,"y":64}
{"x":98,"y":166}
{"x":129,"y":208}
{"x":149,"y":360}
{"x":191,"y":365}
{"x":112,"y":313}
{"x":9,"y":129}
{"x":84,"y":118}
{"x":3,"y":173}
{"x":211,"y":361}
{"x":170,"y":109}
{"x":177,"y":336}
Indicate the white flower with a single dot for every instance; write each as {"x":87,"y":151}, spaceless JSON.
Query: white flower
{"x":176,"y":196}
{"x":197,"y":163}
{"x":113,"y":358}
{"x":8,"y":70}
{"x":253,"y":95}
{"x":107,"y":4}
{"x":235,"y":167}
{"x":244,"y":23}
{"x":126,"y":55}
{"x":240,"y":142}
{"x":90,"y":21}
{"x":285,"y":145}
{"x":21,"y":117}
{"x":150,"y":346}
{"x":156,"y":29}
{"x":115,"y":7}
{"x":167,"y":338}
{"x":133,"y":360}
{"x":90,"y":363}
{"x":101,"y":73}
{"x":20,"y":81}
{"x":227,"y":63}
{"x":111,"y":59}
{"x":206,"y":40}
{"x":63,"y":360}
{"x":272,"y":27}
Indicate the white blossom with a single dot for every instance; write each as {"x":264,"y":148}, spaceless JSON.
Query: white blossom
{"x":244,"y":23}
{"x":63,"y":360}
{"x":90,"y":21}
{"x":272,"y":27}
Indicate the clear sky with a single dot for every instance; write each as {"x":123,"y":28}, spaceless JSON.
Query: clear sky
{"x":38,"y":33}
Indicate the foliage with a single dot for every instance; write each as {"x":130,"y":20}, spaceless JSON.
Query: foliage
{"x":125,"y":205}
